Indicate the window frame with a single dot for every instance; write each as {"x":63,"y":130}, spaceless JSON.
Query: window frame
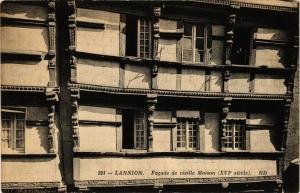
{"x":194,"y":37}
{"x":13,"y":129}
{"x":144,"y":142}
{"x":187,"y":136}
{"x":234,"y":123}
{"x":139,"y":38}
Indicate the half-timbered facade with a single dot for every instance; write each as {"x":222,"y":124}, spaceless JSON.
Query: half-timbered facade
{"x":169,"y":96}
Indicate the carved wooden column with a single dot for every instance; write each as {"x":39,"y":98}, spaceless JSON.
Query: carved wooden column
{"x":52,"y":40}
{"x":293,"y":59}
{"x":52,"y":98}
{"x":72,"y":36}
{"x":74,"y":119}
{"x":228,"y":48}
{"x":155,"y":53}
{"x":226,"y":103}
{"x":151,"y":102}
{"x":286,"y":116}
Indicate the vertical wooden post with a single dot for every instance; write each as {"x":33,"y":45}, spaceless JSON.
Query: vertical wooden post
{"x":151,"y":102}
{"x":52,"y":41}
{"x":52,"y":98}
{"x":75,"y":122}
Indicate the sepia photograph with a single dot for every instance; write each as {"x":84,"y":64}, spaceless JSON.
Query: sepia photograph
{"x":153,"y":96}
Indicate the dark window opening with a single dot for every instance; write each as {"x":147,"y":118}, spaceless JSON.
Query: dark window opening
{"x":134,"y":129}
{"x":241,"y":46}
{"x":128,"y":129}
{"x":138,"y":37}
{"x":131,"y":35}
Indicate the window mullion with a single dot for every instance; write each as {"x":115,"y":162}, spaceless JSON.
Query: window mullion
{"x":233,"y":136}
{"x":187,"y":134}
{"x":138,"y":38}
{"x":14,"y":130}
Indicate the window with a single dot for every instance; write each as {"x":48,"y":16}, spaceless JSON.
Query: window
{"x":134,"y":129}
{"x":240,"y":52}
{"x":13,"y":130}
{"x":235,"y":135}
{"x":187,"y":133}
{"x":138,"y":37}
{"x":193,"y":43}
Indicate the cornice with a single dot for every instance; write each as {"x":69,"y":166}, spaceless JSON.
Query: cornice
{"x":244,"y":4}
{"x":17,"y":88}
{"x":174,"y":93}
{"x":175,"y":181}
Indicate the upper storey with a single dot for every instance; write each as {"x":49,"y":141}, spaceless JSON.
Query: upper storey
{"x":28,"y":43}
{"x":191,"y":46}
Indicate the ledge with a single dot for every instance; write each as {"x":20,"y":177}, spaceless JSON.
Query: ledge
{"x":31,"y":56}
{"x":162,"y":125}
{"x":27,"y":22}
{"x":180,"y":154}
{"x":174,"y":93}
{"x":22,"y":155}
{"x":99,"y":123}
{"x":92,"y":25}
{"x":37,"y":122}
{"x":150,"y":62}
{"x":16,"y":88}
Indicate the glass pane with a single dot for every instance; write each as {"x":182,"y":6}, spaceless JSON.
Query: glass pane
{"x":187,"y":55}
{"x":20,"y":116}
{"x":6,"y":123}
{"x":199,"y":56}
{"x":200,"y":31}
{"x":200,"y":44}
{"x":20,"y":124}
{"x":187,"y":29}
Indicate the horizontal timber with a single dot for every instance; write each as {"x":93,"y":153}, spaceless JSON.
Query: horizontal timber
{"x":25,"y":155}
{"x":110,"y":123}
{"x":243,"y":154}
{"x":174,"y":93}
{"x":150,"y":62}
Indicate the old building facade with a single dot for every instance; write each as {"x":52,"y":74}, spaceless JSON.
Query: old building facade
{"x":147,"y":96}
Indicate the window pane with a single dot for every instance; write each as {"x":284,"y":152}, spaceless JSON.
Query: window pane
{"x":187,"y":42}
{"x":199,"y":44}
{"x":187,"y":55}
{"x":199,"y":30}
{"x":187,"y":29}
{"x":139,"y":124}
{"x":199,"y":56}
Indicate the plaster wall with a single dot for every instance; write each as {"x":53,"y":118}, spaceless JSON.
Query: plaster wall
{"x":239,"y":82}
{"x":166,"y":78}
{"x":269,"y":84}
{"x":24,"y":39}
{"x":104,"y":73}
{"x":99,"y":41}
{"x":137,"y":76}
{"x":192,"y":80}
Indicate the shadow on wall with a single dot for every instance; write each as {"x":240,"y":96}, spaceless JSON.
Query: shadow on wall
{"x":291,"y":177}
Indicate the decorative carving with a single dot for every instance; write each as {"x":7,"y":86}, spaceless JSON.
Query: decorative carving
{"x":174,"y":181}
{"x":72,"y":24}
{"x":286,"y":116}
{"x":16,"y":88}
{"x":111,"y":90}
{"x":155,"y":20}
{"x":225,"y":110}
{"x":151,"y":102}
{"x":74,"y":119}
{"x":229,"y":37}
{"x":52,"y":45}
{"x":52,"y":98}
{"x":226,"y":77}
{"x":73,"y":66}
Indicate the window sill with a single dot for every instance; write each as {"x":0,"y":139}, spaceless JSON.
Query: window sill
{"x":195,"y":153}
{"x":27,"y":155}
